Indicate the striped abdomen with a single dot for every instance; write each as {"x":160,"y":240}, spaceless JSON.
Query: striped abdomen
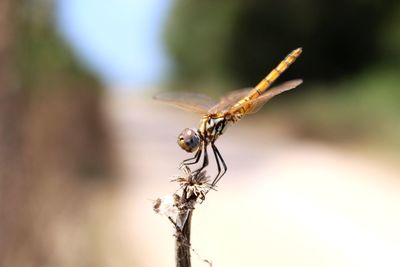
{"x":241,"y":106}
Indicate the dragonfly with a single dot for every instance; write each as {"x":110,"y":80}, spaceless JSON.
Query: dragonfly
{"x":218,"y":115}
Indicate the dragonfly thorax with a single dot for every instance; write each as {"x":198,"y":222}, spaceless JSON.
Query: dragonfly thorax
{"x":212,"y":127}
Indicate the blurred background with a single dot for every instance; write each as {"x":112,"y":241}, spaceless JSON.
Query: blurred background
{"x":313,"y":178}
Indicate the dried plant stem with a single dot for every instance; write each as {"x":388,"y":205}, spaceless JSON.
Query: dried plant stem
{"x":179,"y":210}
{"x":182,"y":242}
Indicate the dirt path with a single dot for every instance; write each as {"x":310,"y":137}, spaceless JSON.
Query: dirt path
{"x":283,"y":202}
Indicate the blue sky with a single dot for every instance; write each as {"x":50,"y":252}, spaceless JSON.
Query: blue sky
{"x":120,"y":40}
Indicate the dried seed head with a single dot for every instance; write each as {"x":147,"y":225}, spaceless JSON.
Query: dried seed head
{"x":195,"y":185}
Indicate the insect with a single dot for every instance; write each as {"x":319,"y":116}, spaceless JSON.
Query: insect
{"x":218,"y":115}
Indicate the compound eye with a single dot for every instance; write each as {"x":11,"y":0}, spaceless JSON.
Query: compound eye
{"x":189,"y":140}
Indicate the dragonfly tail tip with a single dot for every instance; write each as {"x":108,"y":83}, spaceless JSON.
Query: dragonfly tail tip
{"x":298,"y":51}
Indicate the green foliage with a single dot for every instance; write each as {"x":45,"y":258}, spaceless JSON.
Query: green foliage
{"x":239,"y":41}
{"x":364,"y":108}
{"x":390,"y":39}
{"x":197,"y":37}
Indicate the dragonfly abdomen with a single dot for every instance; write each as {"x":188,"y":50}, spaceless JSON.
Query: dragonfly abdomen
{"x":244,"y":105}
{"x":240,"y":108}
{"x":275,"y":73}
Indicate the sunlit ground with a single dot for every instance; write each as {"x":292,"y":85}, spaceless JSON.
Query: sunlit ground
{"x":283,"y":202}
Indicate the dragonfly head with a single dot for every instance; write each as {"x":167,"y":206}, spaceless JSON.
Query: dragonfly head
{"x":189,"y":140}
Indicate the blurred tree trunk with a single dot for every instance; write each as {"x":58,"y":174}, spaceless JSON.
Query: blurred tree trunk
{"x":11,"y":109}
{"x":55,"y":152}
{"x":8,"y":105}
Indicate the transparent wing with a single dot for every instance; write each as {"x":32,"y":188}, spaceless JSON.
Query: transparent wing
{"x":257,"y":103}
{"x":232,"y":98}
{"x":187,"y":101}
{"x":229,"y":100}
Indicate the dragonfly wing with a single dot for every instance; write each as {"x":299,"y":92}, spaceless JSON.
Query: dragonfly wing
{"x":229,"y":100}
{"x":187,"y":101}
{"x":257,"y":103}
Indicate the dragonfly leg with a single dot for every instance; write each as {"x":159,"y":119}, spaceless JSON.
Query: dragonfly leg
{"x":205,"y":161}
{"x":214,"y":148}
{"x":193,"y":160}
{"x":218,"y":155}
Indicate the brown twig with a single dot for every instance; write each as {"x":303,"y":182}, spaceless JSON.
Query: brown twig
{"x":179,"y":210}
{"x":193,"y":189}
{"x":182,"y":241}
